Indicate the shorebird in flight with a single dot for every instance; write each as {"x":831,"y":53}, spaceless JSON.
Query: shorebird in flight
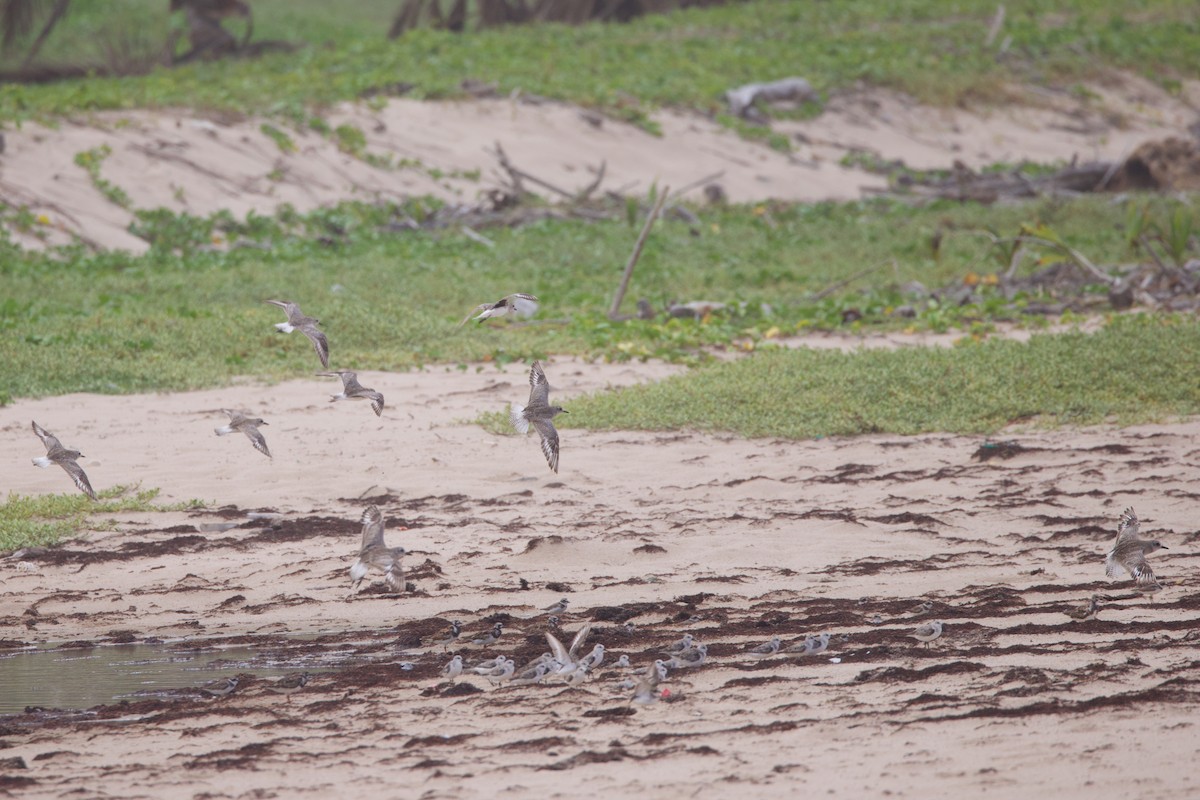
{"x":353,"y":390}
{"x":57,"y":454}
{"x":1129,"y":553}
{"x":539,"y":414}
{"x":374,"y":553}
{"x":521,"y":305}
{"x":297,"y":321}
{"x":239,"y":421}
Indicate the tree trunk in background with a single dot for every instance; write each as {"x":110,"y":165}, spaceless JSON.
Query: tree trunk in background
{"x":59,"y":11}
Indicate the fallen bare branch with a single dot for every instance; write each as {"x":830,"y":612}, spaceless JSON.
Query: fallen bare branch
{"x":637,"y":252}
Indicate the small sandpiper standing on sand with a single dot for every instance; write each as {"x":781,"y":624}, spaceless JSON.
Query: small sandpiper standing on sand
{"x":453,"y":668}
{"x":374,"y":553}
{"x":928,"y":632}
{"x":491,"y":636}
{"x":521,"y":305}
{"x":1086,"y":612}
{"x":239,"y":421}
{"x":291,"y":684}
{"x":539,"y":414}
{"x":451,"y":637}
{"x":353,"y":390}
{"x":297,"y":321}
{"x":1129,"y":553}
{"x":558,"y":607}
{"x":768,"y":649}
{"x":57,"y":454}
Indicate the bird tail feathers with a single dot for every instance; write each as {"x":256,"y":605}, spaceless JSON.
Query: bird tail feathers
{"x":517,"y":416}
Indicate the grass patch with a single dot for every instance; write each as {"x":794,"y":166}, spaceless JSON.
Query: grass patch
{"x":930,"y":49}
{"x":1137,"y":369}
{"x":42,"y":520}
{"x":189,"y":315}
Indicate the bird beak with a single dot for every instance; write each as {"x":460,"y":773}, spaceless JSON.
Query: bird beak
{"x":264,"y":423}
{"x":1164,"y":547}
{"x":565,"y":411}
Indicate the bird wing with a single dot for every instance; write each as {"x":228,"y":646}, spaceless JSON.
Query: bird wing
{"x":256,"y":438}
{"x":579,"y":639}
{"x":539,"y":387}
{"x":376,"y":401}
{"x":556,"y":648}
{"x":48,"y":439}
{"x":525,"y":305}
{"x":394,"y":577}
{"x":474,"y":311}
{"x":549,"y":441}
{"x":320,"y":343}
{"x":372,"y":532}
{"x":349,"y":381}
{"x":289,"y":308}
{"x":1129,"y":526}
{"x":81,"y":479}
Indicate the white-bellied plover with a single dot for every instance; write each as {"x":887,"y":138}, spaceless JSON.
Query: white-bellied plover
{"x":291,"y":684}
{"x":221,"y":687}
{"x":353,"y":390}
{"x":594,"y":658}
{"x":694,"y":657}
{"x":1086,"y":612}
{"x":239,"y":421}
{"x":297,"y":321}
{"x":538,"y":413}
{"x":57,"y":454}
{"x":558,"y":607}
{"x":521,"y":305}
{"x":374,"y":553}
{"x":453,"y":668}
{"x":683,"y":644}
{"x":928,"y":632}
{"x":768,"y":649}
{"x":1129,"y":553}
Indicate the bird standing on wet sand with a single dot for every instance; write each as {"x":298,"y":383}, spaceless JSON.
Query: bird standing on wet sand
{"x":768,"y":649}
{"x":57,"y":454}
{"x":353,"y":390}
{"x":374,"y":553}
{"x":1086,"y":612}
{"x":451,"y":637}
{"x":558,"y":607}
{"x":297,"y":321}
{"x":491,"y":636}
{"x":238,"y":421}
{"x":291,"y":684}
{"x":221,"y":687}
{"x":521,"y":305}
{"x":1129,"y":553}
{"x":453,"y":668}
{"x":928,"y":632}
{"x":539,"y":414}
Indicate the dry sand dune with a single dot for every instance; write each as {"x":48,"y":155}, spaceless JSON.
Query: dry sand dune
{"x":732,"y":540}
{"x":200,"y":164}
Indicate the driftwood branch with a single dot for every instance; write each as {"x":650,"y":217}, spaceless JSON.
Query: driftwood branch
{"x":594,"y":185}
{"x":742,"y":99}
{"x":637,"y":252}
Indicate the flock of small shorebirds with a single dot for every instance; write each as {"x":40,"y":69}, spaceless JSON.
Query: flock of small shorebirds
{"x":564,"y":663}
